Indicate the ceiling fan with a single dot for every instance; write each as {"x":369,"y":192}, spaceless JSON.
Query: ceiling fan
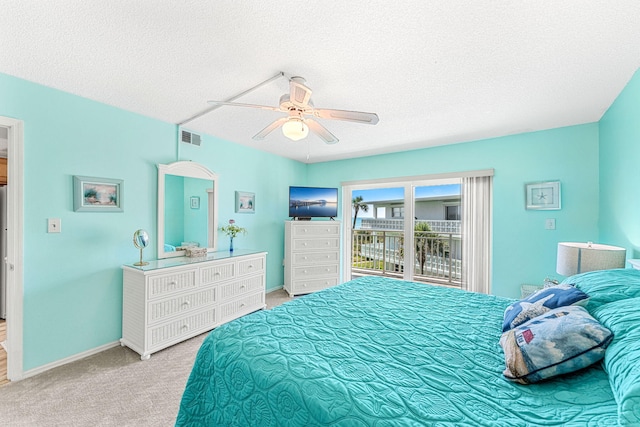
{"x":301,"y":114}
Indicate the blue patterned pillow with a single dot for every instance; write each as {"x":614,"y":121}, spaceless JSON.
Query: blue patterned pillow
{"x":563,"y":340}
{"x":541,"y":302}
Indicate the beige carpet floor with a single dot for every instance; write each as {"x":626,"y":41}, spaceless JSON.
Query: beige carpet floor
{"x":112,"y":388}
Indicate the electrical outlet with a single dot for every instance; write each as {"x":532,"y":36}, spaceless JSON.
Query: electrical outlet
{"x":550,"y":224}
{"x":54,"y":225}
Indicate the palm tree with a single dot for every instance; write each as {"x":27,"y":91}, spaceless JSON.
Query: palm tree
{"x":358,"y":205}
{"x":427,"y":244}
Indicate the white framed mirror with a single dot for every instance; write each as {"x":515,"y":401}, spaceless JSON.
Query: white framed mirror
{"x":187,"y":208}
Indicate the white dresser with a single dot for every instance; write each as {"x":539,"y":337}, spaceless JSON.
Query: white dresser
{"x":173,"y":299}
{"x":311,"y":256}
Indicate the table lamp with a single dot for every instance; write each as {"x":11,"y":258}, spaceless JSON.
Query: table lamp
{"x":575,"y":258}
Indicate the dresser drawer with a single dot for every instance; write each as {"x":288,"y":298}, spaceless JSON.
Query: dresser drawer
{"x":308,"y":286}
{"x":243,"y":286}
{"x":317,"y":243}
{"x":316,"y":230}
{"x":241,"y":306}
{"x":163,"y":284}
{"x":187,"y":325}
{"x":159,"y":310}
{"x":217,"y":273}
{"x":315,"y":271}
{"x":302,"y":258}
{"x":250,"y":266}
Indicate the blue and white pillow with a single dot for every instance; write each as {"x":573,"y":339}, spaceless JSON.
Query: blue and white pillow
{"x":540,"y":303}
{"x":563,"y":340}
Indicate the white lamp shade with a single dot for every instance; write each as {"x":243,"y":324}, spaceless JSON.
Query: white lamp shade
{"x":574,"y":258}
{"x":295,"y":129}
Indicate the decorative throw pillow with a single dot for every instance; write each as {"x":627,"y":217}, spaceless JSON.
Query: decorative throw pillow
{"x":563,"y":340}
{"x":607,"y":286}
{"x":622,"y":358}
{"x":541,"y":302}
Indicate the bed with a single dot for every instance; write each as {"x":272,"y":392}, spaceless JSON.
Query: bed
{"x":383,"y":352}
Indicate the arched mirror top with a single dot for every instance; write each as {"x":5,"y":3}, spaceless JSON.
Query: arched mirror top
{"x":188,"y":169}
{"x":187,"y":208}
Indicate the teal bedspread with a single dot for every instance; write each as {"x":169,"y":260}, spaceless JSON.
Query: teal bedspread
{"x":379,"y":352}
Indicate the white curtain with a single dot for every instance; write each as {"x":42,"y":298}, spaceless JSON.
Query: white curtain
{"x":476,"y":233}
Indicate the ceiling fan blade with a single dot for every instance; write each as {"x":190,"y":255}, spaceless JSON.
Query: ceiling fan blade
{"x":299,"y":94}
{"x":350,"y":116}
{"x":321,"y":131}
{"x":240,"y":104}
{"x":266,"y":131}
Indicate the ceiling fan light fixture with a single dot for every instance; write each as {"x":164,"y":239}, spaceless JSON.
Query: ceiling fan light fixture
{"x":295,"y":129}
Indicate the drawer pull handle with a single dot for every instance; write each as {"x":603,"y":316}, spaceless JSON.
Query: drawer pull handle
{"x":305,"y":258}
{"x":304,"y":271}
{"x":186,"y":303}
{"x":304,"y":244}
{"x":217,"y":273}
{"x":185,"y":326}
{"x":243,"y":286}
{"x":250,"y":265}
{"x":242,"y":305}
{"x":328,"y":269}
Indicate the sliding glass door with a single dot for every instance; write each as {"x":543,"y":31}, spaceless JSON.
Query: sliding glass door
{"x":408,"y":230}
{"x":377,"y":224}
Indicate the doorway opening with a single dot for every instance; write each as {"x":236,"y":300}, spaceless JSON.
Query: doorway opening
{"x":431,"y":252}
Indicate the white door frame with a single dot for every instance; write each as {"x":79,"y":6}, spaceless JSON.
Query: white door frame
{"x":14,"y":260}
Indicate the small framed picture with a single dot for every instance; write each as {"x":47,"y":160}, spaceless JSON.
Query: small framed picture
{"x":195,"y":202}
{"x":97,"y":194}
{"x":543,"y":195}
{"x":245,"y":202}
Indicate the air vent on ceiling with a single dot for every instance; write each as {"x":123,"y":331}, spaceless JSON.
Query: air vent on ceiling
{"x":190,"y":137}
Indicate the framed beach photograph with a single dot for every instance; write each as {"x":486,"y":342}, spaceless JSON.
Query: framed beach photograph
{"x":92,"y":194}
{"x":543,"y":195}
{"x":245,"y":202}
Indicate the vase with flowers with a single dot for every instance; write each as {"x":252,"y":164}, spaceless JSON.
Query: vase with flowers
{"x":232,"y":230}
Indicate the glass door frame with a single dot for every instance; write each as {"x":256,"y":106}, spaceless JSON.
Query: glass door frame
{"x":408,"y":184}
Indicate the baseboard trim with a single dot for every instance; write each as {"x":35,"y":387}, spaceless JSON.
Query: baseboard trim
{"x":74,"y":358}
{"x":277,"y":288}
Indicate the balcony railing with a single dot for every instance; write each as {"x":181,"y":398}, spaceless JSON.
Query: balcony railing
{"x":381,"y":252}
{"x":440,"y":226}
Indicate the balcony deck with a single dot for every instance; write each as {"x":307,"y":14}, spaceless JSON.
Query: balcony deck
{"x":380,"y":251}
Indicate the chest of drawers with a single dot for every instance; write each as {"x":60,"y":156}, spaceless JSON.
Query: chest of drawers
{"x":312,"y":256}
{"x":172,"y":300}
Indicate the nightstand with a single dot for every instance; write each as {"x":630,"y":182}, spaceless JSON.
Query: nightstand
{"x":635,"y":263}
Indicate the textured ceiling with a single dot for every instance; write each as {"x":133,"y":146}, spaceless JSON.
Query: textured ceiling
{"x":435,"y":72}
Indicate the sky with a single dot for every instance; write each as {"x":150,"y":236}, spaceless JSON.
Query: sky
{"x":378,"y":194}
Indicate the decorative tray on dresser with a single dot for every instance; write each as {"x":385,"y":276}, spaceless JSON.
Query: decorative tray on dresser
{"x":173,"y":299}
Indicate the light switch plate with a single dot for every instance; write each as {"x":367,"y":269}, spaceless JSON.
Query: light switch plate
{"x":550,"y":224}
{"x":54,"y":225}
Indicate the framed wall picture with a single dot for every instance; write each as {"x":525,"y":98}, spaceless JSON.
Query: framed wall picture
{"x":195,"y":202}
{"x":543,"y":195}
{"x":97,"y":194}
{"x":245,"y":202}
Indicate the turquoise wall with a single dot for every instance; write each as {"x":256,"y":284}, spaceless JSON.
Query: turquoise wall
{"x":523,"y":250}
{"x":73,"y":280}
{"x":620,"y":170}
